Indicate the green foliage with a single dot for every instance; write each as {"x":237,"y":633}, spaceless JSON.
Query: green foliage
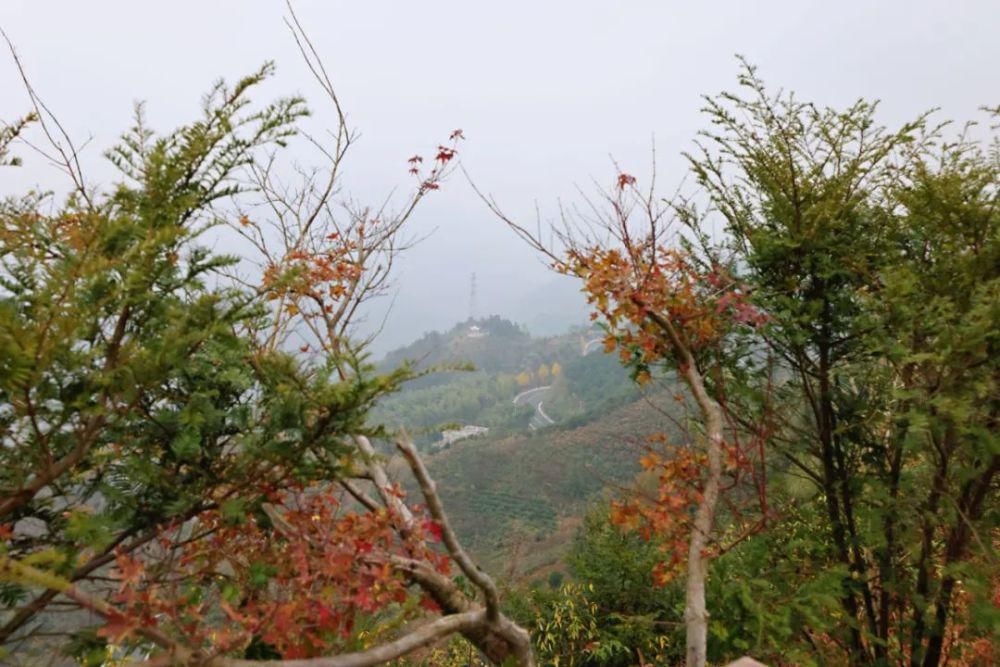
{"x":567,"y":628}
{"x":875,"y":254}
{"x":133,"y":391}
{"x":617,"y":566}
{"x":465,"y":398}
{"x":588,"y":387}
{"x":608,"y":615}
{"x":771,"y":598}
{"x":8,"y":133}
{"x":766,"y":596}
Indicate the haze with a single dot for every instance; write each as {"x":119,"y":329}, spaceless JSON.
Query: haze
{"x":545,"y":93}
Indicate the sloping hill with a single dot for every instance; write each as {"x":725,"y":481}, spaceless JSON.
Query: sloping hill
{"x":516,"y":494}
{"x":507,"y":360}
{"x":531,"y":487}
{"x":492,"y":344}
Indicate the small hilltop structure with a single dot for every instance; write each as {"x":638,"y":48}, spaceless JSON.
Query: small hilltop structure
{"x":474,"y":330}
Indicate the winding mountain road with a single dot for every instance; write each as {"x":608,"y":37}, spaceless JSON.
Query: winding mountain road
{"x":534,"y":397}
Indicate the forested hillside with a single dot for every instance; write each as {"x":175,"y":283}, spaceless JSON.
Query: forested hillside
{"x":514,"y":493}
{"x":497,"y":360}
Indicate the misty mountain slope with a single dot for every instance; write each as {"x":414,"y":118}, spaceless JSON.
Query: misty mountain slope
{"x":516,"y":494}
{"x":506,"y":360}
{"x":491,"y":344}
{"x":523,"y":487}
{"x":540,"y":301}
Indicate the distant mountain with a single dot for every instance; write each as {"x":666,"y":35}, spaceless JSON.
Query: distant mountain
{"x":505,"y":360}
{"x":547,"y":307}
{"x":492,"y":344}
{"x":517,"y":485}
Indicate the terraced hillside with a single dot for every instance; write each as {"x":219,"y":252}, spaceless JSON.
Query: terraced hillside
{"x":503,"y":493}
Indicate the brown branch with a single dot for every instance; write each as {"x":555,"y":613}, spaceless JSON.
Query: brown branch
{"x":429,"y":489}
{"x":367,"y":501}
{"x":422,"y":636}
{"x":69,"y":161}
{"x":381,"y":481}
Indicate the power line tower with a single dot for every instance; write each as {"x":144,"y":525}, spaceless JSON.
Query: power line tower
{"x":473,"y":311}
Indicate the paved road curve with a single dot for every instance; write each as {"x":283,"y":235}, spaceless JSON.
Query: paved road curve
{"x":535,"y":397}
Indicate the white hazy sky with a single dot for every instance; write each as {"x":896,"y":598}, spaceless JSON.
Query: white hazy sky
{"x":545,"y":91}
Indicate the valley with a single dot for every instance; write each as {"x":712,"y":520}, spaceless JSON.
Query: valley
{"x":566,"y":428}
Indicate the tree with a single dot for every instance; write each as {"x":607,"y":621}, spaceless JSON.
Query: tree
{"x":858,"y":266}
{"x":666,"y":305}
{"x":170,"y":465}
{"x":874,"y":254}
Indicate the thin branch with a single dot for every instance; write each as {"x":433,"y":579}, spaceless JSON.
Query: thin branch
{"x":429,"y":489}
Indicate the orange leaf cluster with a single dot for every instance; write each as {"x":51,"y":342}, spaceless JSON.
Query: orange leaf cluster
{"x":658,"y":303}
{"x":630,"y":291}
{"x":318,"y":276}
{"x":667,"y":516}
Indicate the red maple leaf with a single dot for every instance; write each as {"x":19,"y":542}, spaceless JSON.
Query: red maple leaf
{"x":364,"y":600}
{"x":445,"y":154}
{"x":327,"y":619}
{"x":117,"y":627}
{"x":625,"y":180}
{"x":430,"y":605}
{"x":433,"y":529}
{"x":130,"y":570}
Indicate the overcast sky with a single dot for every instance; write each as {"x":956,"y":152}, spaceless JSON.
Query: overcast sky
{"x":545,"y":91}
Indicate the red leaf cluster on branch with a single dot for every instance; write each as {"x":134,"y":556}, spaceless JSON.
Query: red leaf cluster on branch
{"x":667,"y":516}
{"x":445,"y":154}
{"x":299,"y":584}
